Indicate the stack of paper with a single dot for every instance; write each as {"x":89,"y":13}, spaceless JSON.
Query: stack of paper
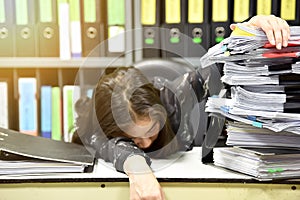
{"x":241,"y":134}
{"x":261,"y":78}
{"x":26,"y":154}
{"x":250,"y":45}
{"x":263,"y":105}
{"x":32,"y":166}
{"x":261,"y":163}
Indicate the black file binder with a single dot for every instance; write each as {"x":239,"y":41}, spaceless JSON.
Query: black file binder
{"x":289,"y":11}
{"x":243,"y":10}
{"x":220,"y":20}
{"x":7,"y":29}
{"x":26,"y":39}
{"x":150,"y":20}
{"x":36,"y":147}
{"x":198,"y":27}
{"x":47,"y":28}
{"x":92,"y":17}
{"x":172,"y":33}
{"x":264,"y":7}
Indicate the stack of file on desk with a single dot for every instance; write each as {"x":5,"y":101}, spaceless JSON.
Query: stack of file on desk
{"x":263,"y":103}
{"x":261,"y":163}
{"x":25,"y":154}
{"x":241,"y":134}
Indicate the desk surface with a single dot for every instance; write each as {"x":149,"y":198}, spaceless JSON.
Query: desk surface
{"x":184,"y":167}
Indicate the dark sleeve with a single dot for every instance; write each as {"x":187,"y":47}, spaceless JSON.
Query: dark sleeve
{"x":89,"y":133}
{"x":181,"y":99}
{"x":117,"y":150}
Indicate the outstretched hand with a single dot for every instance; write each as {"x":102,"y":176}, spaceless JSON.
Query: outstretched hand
{"x":143,"y":183}
{"x":276,"y":29}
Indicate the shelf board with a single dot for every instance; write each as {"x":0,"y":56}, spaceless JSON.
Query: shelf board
{"x":45,"y":62}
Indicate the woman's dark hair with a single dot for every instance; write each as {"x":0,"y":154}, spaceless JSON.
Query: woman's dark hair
{"x":125,"y":96}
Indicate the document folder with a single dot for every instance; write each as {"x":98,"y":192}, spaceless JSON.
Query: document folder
{"x":57,"y":119}
{"x":242,"y":10}
{"x":116,"y":27}
{"x":3,"y":104}
{"x":64,"y":30}
{"x":220,"y":21}
{"x":198,"y":30}
{"x":289,"y":11}
{"x":47,"y":27}
{"x":150,"y":20}
{"x":267,"y":7}
{"x":7,"y":34}
{"x":92,"y":18}
{"x":46,"y":111}
{"x":172,"y":34}
{"x":69,"y":91}
{"x":75,"y":29}
{"x":7,"y":76}
{"x":27,"y":105}
{"x":15,"y":143}
{"x":26,"y":38}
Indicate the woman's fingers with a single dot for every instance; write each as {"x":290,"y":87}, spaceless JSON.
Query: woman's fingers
{"x":276,"y":29}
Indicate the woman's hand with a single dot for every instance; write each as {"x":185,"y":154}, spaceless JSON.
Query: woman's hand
{"x":145,"y":186}
{"x":143,"y":183}
{"x":276,"y":29}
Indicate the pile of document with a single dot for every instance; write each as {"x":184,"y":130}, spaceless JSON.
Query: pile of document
{"x":23,"y":154}
{"x":262,"y":106}
{"x":261,"y":163}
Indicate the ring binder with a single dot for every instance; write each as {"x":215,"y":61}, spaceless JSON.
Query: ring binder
{"x":7,"y":34}
{"x":26,"y":38}
{"x":47,"y":27}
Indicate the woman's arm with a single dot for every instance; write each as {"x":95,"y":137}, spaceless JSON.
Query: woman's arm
{"x":276,"y":29}
{"x":143,"y":183}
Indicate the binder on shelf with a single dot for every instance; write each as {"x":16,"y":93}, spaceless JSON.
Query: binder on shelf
{"x":7,"y":34}
{"x":172,"y":37}
{"x":198,"y":27}
{"x":220,"y":20}
{"x":64,"y":29}
{"x":289,"y":11}
{"x":26,"y":38}
{"x":75,"y":29}
{"x":116,"y":27}
{"x":68,"y":108}
{"x":92,"y":26}
{"x":3,"y":104}
{"x":150,"y":20}
{"x":27,"y":105}
{"x":56,"y":133}
{"x":47,"y":27}
{"x":267,"y":7}
{"x":46,"y":111}
{"x":7,"y":76}
{"x":242,"y":10}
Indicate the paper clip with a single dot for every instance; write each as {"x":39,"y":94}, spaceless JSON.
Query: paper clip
{"x":257,"y":124}
{"x":225,"y":109}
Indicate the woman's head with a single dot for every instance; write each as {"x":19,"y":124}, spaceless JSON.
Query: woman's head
{"x":127,"y":105}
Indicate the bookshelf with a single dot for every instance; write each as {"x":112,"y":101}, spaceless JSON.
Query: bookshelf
{"x":57,"y":72}
{"x":64,"y":71}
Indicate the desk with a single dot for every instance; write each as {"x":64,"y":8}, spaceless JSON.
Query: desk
{"x":182,"y":178}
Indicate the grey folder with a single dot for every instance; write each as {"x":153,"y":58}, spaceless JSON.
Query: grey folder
{"x":42,"y":148}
